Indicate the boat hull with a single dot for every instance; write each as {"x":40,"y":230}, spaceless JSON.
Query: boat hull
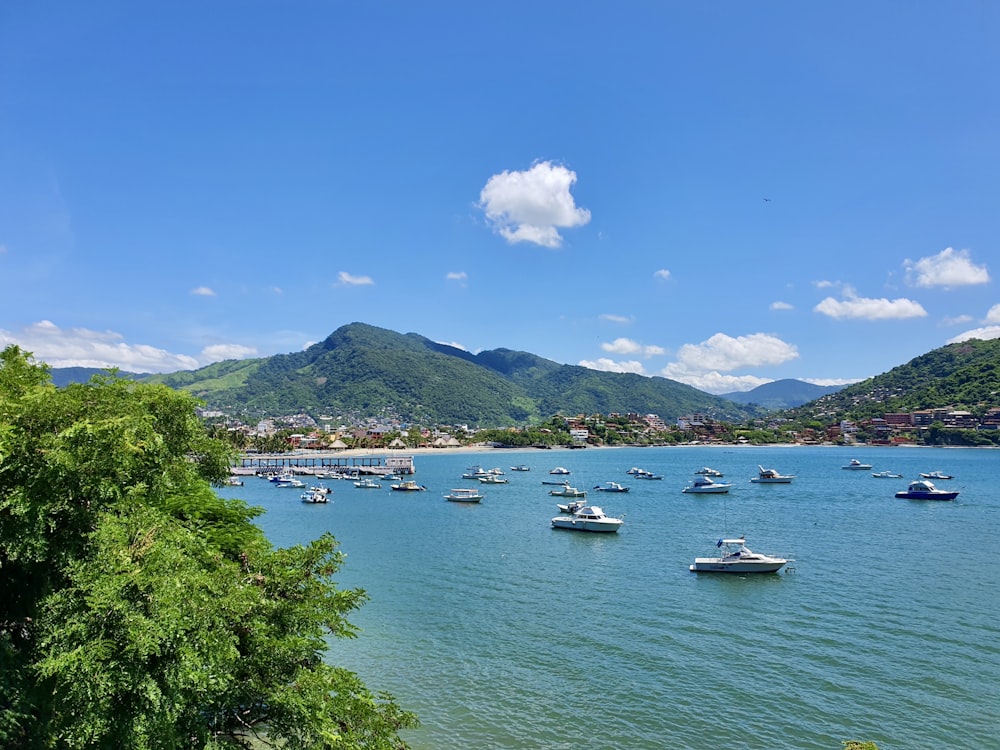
{"x":716,"y":565}
{"x":609,"y":525}
{"x":927,"y":495}
{"x":719,"y":490}
{"x":772,"y":480}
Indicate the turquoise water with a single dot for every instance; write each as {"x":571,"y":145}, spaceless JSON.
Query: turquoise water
{"x":500,"y":632}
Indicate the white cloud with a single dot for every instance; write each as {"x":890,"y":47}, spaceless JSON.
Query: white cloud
{"x":532,"y":206}
{"x":609,"y":365}
{"x":825,"y":284}
{"x":984,"y":333}
{"x":866,"y":308}
{"x":727,"y":353}
{"x":949,"y":268}
{"x":345,"y":278}
{"x":203,"y":291}
{"x":832,"y":381}
{"x":454,"y":344}
{"x":456,"y":276}
{"x":615,"y":318}
{"x":993,"y":316}
{"x":712,"y":381}
{"x":628,"y":346}
{"x":957,"y":320}
{"x":81,"y":347}
{"x":663,"y":274}
{"x":781,"y":306}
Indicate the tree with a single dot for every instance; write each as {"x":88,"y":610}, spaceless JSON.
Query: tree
{"x":143,"y":611}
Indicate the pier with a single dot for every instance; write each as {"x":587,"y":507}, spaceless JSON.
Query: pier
{"x":313,"y":463}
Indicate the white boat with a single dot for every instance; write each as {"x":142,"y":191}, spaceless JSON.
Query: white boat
{"x":611,"y":487}
{"x":520,"y":467}
{"x":475,"y":472}
{"x":556,"y":482}
{"x":559,"y":470}
{"x":709,"y":472}
{"x":704,"y":485}
{"x":493,"y":479}
{"x":234,"y":482}
{"x":935,"y":475}
{"x":855,"y":464}
{"x":771,"y":476}
{"x":568,"y":491}
{"x":367,"y":484}
{"x":315,"y":497}
{"x":886,"y":475}
{"x":408,"y":486}
{"x":464,"y":495}
{"x":292,"y":482}
{"x":322,"y":489}
{"x":736,"y":557}
{"x":643,"y":474}
{"x":572,"y":507}
{"x":588,"y":518}
{"x":922,"y":489}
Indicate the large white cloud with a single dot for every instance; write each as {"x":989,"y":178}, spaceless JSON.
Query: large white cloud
{"x":984,"y":333}
{"x":532,"y":206}
{"x":609,"y":365}
{"x":949,"y":268}
{"x":80,"y":347}
{"x":727,"y":353}
{"x":628,"y":346}
{"x":713,"y":381}
{"x":866,"y":308}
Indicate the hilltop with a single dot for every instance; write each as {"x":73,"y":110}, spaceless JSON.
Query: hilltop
{"x":364,"y":370}
{"x":782,"y":394}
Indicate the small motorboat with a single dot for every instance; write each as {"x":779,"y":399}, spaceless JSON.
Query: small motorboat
{"x":886,"y":475}
{"x":709,"y":472}
{"x":588,"y":518}
{"x":464,"y":495}
{"x":556,"y":483}
{"x":234,"y":482}
{"x":559,"y":470}
{"x":567,"y":491}
{"x":322,"y":489}
{"x":572,"y":507}
{"x":611,"y":487}
{"x":643,"y":474}
{"x":315,"y":497}
{"x":922,"y":489}
{"x":493,"y":479}
{"x":855,"y":464}
{"x":367,"y":484}
{"x":408,"y":486}
{"x":736,"y":557}
{"x":705,"y":485}
{"x":520,"y":467}
{"x":771,"y":476}
{"x":290,"y":483}
{"x":936,"y":475}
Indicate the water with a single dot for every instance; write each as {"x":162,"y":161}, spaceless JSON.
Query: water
{"x":500,"y":632}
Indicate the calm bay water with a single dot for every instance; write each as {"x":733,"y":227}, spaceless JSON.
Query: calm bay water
{"x":501,"y":632}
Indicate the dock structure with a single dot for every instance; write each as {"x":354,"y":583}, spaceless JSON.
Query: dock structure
{"x":313,"y":462}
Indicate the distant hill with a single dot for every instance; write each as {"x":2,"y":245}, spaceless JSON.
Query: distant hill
{"x":63,"y":376}
{"x":367,"y":371}
{"x":782,"y":394}
{"x":964,"y":375}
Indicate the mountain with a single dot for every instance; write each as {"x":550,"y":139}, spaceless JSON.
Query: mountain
{"x":965,"y":375}
{"x":63,"y":376}
{"x":782,"y":394}
{"x":361,"y":370}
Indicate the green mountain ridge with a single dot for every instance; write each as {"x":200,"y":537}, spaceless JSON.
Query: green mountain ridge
{"x":782,"y":394}
{"x":364,"y":370}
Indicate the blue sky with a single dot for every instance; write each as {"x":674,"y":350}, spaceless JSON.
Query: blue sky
{"x":722,"y":193}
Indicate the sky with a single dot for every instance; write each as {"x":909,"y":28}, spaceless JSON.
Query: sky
{"x":722,"y":193}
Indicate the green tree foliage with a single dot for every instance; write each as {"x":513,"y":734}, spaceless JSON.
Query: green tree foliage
{"x":141,"y":610}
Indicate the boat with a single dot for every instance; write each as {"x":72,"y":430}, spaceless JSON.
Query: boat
{"x":886,"y":475}
{"x":323,"y":489}
{"x":555,"y":483}
{"x":855,"y":464}
{"x":283,"y":477}
{"x":234,"y":482}
{"x":520,"y":467}
{"x":493,"y":479}
{"x":704,"y":485}
{"x":315,"y":497}
{"x":588,"y":518}
{"x":736,"y":557}
{"x":572,"y":507}
{"x":611,"y":487}
{"x":367,"y":484}
{"x":475,"y":472}
{"x":568,"y":491}
{"x":292,"y":482}
{"x":923,"y":489}
{"x":559,"y":470}
{"x":935,"y":475}
{"x":643,"y":474}
{"x":709,"y":472}
{"x":408,"y":486}
{"x":771,"y":476}
{"x":464,"y":495}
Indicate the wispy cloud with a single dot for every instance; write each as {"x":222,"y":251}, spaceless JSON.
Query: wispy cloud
{"x":81,"y":347}
{"x":628,"y":346}
{"x":615,"y":318}
{"x":832,"y":381}
{"x":609,"y":365}
{"x":203,"y":291}
{"x":957,"y":320}
{"x":949,"y":268}
{"x":853,"y":307}
{"x":663,"y":274}
{"x":781,"y":306}
{"x":993,"y":315}
{"x":459,"y":276}
{"x":347,"y":279}
{"x":532,"y":206}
